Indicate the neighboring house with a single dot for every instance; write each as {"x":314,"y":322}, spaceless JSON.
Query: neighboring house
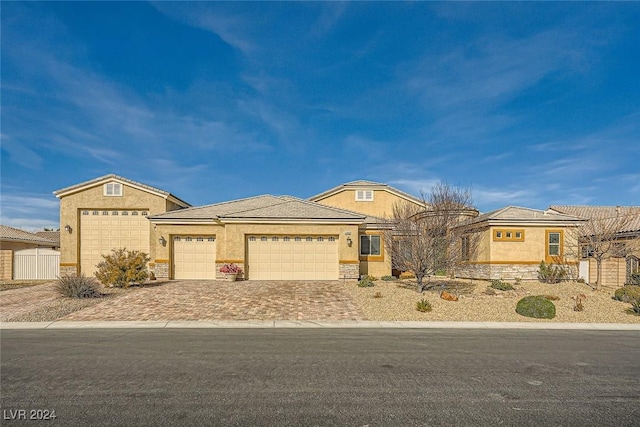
{"x":512,"y":241}
{"x":616,"y":270}
{"x":54,"y":236}
{"x":15,"y":241}
{"x":108,"y":212}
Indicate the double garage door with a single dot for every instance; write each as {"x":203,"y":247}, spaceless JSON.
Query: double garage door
{"x":292,"y":257}
{"x":104,"y":230}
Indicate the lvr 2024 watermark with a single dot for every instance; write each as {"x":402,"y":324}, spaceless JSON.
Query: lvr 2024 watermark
{"x":29,"y":414}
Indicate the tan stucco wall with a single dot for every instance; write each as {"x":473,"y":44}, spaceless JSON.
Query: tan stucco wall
{"x":6,"y":264}
{"x":381,"y":206}
{"x":94,"y":199}
{"x":231,"y":239}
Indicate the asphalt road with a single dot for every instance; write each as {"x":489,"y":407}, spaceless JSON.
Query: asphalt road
{"x":292,"y":377}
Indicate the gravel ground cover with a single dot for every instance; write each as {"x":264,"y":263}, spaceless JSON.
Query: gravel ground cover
{"x":397,"y":300}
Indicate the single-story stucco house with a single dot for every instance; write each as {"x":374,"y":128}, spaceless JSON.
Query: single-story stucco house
{"x":511,"y":242}
{"x":617,"y":269}
{"x":337,"y":234}
{"x":14,"y":240}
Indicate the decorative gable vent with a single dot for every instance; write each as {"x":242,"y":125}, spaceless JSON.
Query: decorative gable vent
{"x":112,"y":189}
{"x":364,"y":195}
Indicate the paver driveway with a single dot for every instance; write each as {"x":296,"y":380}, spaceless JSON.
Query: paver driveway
{"x":217,"y":300}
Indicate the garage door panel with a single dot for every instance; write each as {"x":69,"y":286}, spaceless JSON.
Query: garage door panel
{"x":194,"y":257}
{"x":292,"y":258}
{"x":100,"y":233}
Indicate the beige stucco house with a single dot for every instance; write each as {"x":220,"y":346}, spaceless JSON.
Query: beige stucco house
{"x":269,"y":237}
{"x":14,"y":240}
{"x":510,"y":243}
{"x":618,"y":268}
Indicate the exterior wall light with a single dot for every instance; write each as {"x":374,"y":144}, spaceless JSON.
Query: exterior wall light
{"x":67,"y":228}
{"x":162,"y":241}
{"x":349,"y":241}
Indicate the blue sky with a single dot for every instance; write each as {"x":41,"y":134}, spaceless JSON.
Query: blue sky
{"x":529,"y":104}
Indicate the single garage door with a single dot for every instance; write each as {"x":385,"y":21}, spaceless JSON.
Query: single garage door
{"x":104,"y":230}
{"x":292,"y":257}
{"x":194,"y":257}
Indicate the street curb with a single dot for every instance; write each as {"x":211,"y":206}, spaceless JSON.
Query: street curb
{"x":313,"y":324}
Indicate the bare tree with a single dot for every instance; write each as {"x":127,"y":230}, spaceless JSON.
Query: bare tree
{"x":600,"y":238}
{"x":424,"y":239}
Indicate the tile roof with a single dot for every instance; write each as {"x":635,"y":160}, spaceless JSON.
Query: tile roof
{"x":521,"y":214}
{"x":54,"y":236}
{"x":10,"y":234}
{"x":605,"y":212}
{"x":585,"y":211}
{"x":262,"y":207}
{"x":164,"y":193}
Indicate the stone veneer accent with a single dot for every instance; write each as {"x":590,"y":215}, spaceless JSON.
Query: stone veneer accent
{"x":349,"y":271}
{"x":68,"y":270}
{"x":160,"y":269}
{"x":504,"y":271}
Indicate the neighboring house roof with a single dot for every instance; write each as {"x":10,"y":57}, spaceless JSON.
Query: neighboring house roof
{"x":261,"y":208}
{"x":112,"y":177}
{"x":366,"y":184}
{"x":54,"y":236}
{"x":10,"y":234}
{"x":605,"y":212}
{"x":522,"y":216}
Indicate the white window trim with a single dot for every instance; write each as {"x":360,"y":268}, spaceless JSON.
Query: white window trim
{"x":114,"y":186}
{"x":362,"y":195}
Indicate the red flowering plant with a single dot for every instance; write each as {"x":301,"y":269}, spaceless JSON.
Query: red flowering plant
{"x":230,"y":269}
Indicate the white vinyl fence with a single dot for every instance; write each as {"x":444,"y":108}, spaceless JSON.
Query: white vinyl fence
{"x":36,"y":264}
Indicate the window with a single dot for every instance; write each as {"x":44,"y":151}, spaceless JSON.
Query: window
{"x":370,"y":245}
{"x":465,"y":248}
{"x":332,"y":239}
{"x":320,"y":239}
{"x":113,"y":189}
{"x":274,"y":239}
{"x":85,"y":212}
{"x":508,"y":235}
{"x":554,"y":244}
{"x":134,"y":213}
{"x":364,"y":195}
{"x":286,"y":239}
{"x":125,"y":213}
{"x":309,"y":239}
{"x":252,"y":239}
{"x":211,"y":239}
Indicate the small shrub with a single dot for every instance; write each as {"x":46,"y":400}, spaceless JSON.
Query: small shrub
{"x":77,"y":287}
{"x":377,"y":295}
{"x":635,"y":307}
{"x":578,"y":302}
{"x":537,"y":307}
{"x":552,"y":297}
{"x":366,"y":282}
{"x":123,"y":267}
{"x":388,"y":278}
{"x":551,"y":273}
{"x":423,"y":306}
{"x":627,"y":293}
{"x":501,"y":286}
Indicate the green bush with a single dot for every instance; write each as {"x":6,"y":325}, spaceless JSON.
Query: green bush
{"x":501,"y":286}
{"x":423,"y":305}
{"x":77,"y":287}
{"x":366,"y":282}
{"x":122,"y":268}
{"x":551,"y":273}
{"x":627,"y":293}
{"x":388,"y":278}
{"x":536,"y":306}
{"x":635,"y":307}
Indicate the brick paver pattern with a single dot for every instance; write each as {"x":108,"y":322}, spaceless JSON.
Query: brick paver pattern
{"x":218,"y":300}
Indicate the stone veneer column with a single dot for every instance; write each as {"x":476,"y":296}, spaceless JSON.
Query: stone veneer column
{"x":160,"y":269}
{"x":349,"y":271}
{"x":68,"y":270}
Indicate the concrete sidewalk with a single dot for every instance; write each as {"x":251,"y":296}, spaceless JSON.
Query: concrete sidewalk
{"x":271,"y":324}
